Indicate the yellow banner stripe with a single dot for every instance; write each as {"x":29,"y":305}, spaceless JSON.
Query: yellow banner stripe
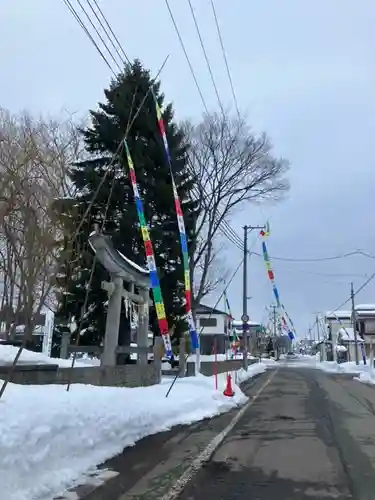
{"x":160,"y":311}
{"x":145,"y":233}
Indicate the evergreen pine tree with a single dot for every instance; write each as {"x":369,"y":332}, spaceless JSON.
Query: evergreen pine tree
{"x":123,"y":106}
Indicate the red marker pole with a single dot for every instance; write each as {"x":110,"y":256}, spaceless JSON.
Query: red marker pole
{"x":215,"y":364}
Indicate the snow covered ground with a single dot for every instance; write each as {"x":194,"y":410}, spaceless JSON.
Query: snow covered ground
{"x":363,"y":372}
{"x":8,"y":353}
{"x":51,"y":439}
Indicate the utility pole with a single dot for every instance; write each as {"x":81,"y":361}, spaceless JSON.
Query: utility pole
{"x":274,"y":322}
{"x":245,"y":317}
{"x":321,"y":346}
{"x":317,"y":327}
{"x":354,"y":323}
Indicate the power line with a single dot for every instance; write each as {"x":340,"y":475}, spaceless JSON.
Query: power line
{"x":130,"y":122}
{"x":123,"y":57}
{"x":229,"y":233}
{"x":111,"y":30}
{"x":98,"y":33}
{"x":186,"y":55}
{"x":225,"y":59}
{"x":206,"y":56}
{"x":369,"y":279}
{"x":356,"y":292}
{"x":321,"y":259}
{"x":88,"y":34}
{"x":116,"y":153}
{"x":364,"y":284}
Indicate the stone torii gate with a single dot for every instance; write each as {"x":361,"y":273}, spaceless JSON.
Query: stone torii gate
{"x":122,"y":269}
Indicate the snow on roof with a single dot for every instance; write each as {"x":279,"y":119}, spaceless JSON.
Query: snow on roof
{"x":365,"y":314}
{"x":348,"y":334}
{"x":365,"y":307}
{"x":128,"y":261}
{"x":237,"y":323}
{"x":338,"y":314}
{"x":133,"y":264}
{"x":341,"y":348}
{"x":203,"y":309}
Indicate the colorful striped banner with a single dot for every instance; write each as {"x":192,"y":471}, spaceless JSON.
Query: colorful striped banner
{"x":150,"y":257}
{"x":289,"y":319}
{"x":271,"y":277}
{"x":182,"y":231}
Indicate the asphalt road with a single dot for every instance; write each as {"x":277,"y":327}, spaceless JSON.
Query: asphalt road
{"x":308,"y":435}
{"x":151,"y":467}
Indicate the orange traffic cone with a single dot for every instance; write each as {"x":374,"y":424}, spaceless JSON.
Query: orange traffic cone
{"x":228,"y":390}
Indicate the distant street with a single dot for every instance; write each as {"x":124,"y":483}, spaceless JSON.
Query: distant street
{"x":307,"y":435}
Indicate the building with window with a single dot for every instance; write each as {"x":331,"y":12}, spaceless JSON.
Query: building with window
{"x":335,"y":320}
{"x":213,"y":326}
{"x":339,"y":326}
{"x":365,"y":319}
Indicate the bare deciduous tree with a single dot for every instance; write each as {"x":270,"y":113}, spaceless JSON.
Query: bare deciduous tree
{"x":34,"y":158}
{"x":230,"y":167}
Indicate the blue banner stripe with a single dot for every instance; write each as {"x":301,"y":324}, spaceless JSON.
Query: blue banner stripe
{"x":154,"y":279}
{"x":183,"y":242}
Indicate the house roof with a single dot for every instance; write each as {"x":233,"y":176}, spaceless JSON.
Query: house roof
{"x":365,"y":307}
{"x":365,"y":310}
{"x":338,"y":314}
{"x":237,"y":323}
{"x":203,"y":309}
{"x":347,"y":335}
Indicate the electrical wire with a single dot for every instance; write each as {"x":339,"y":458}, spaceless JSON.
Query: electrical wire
{"x":117,"y":152}
{"x":327,"y":275}
{"x":99,"y":35}
{"x":186,"y":55}
{"x":356,"y":292}
{"x":93,"y":266}
{"x":206,"y":57}
{"x":120,"y":47}
{"x":228,"y":232}
{"x":225,"y":59}
{"x":88,"y":34}
{"x":321,"y":259}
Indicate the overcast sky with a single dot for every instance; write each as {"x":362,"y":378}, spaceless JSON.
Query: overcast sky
{"x":303,"y":71}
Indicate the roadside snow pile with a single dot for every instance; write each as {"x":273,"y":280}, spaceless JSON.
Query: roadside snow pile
{"x":367,"y":376}
{"x":50,"y":439}
{"x":349,"y":367}
{"x":243,"y":375}
{"x":8,"y":353}
{"x":219,"y":357}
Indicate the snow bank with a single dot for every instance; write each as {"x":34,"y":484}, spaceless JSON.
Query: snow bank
{"x":8,"y":353}
{"x":220,"y":357}
{"x":243,"y":375}
{"x":326,"y":366}
{"x":50,"y":438}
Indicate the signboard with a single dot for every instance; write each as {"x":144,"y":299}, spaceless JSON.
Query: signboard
{"x":245,"y":318}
